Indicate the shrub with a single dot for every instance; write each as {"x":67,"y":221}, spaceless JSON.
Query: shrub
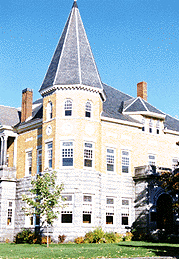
{"x":27,"y":236}
{"x":79,"y":240}
{"x":128,"y":236}
{"x":111,"y":237}
{"x":88,"y":237}
{"x":98,"y":234}
{"x":61,"y":239}
{"x":119,"y":237}
{"x":44,"y":240}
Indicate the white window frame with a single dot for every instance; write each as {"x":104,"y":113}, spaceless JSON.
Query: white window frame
{"x":88,"y":154}
{"x":39,"y":160}
{"x":151,"y":161}
{"x":68,"y":106}
{"x":32,"y":217}
{"x":27,"y":162}
{"x":10,"y":214}
{"x":49,"y":111}
{"x":126,"y":211}
{"x":150,"y":126}
{"x":144,"y":124}
{"x":87,"y":208}
{"x":111,"y":159}
{"x":47,"y":155}
{"x":157,"y":127}
{"x":174,"y":162}
{"x":67,"y":152}
{"x":124,"y":161}
{"x":68,"y":208}
{"x":88,"y":109}
{"x":110,"y":210}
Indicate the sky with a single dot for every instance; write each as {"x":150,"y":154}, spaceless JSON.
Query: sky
{"x":131,"y":40}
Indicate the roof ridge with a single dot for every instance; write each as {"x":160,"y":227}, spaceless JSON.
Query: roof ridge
{"x":135,"y":99}
{"x":8,"y":106}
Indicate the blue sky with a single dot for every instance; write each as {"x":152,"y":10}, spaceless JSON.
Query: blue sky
{"x":132,"y":41}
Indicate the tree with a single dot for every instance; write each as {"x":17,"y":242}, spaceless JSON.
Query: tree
{"x":45,"y":199}
{"x":170,"y":182}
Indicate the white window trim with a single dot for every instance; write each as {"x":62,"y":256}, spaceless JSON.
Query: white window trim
{"x":109,"y":147}
{"x":127,"y":150}
{"x":72,"y":110}
{"x":129,"y":217}
{"x":152,"y":154}
{"x":27,"y":151}
{"x":92,"y":214}
{"x":13,"y":208}
{"x":93,"y":156}
{"x":89,"y":118}
{"x":61,"y":159}
{"x":38,"y":149}
{"x":114,"y":216}
{"x":67,"y":209}
{"x":49,"y":110}
{"x":46,"y":155}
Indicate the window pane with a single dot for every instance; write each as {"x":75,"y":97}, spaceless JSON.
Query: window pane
{"x":109,"y":219}
{"x":110,"y":168}
{"x":125,"y":169}
{"x":89,"y":145}
{"x":86,"y":218}
{"x":87,"y":198}
{"x":88,"y":114}
{"x":66,"y":218}
{"x":110,"y":201}
{"x":68,"y":113}
{"x":125,"y":220}
{"x":125,"y":202}
{"x":67,"y":162}
{"x":88,"y":163}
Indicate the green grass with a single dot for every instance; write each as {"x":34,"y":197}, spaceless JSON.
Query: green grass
{"x":120,"y":250}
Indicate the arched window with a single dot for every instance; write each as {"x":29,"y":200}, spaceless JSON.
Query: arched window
{"x":49,"y":111}
{"x":143,"y":123}
{"x":68,"y":107}
{"x":158,"y":127}
{"x":88,"y":109}
{"x":150,"y":125}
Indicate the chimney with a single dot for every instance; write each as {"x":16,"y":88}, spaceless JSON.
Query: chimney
{"x":27,"y":98}
{"x":142,"y":90}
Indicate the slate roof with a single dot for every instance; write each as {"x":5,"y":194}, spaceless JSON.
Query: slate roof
{"x":9,"y":116}
{"x":171,"y":123}
{"x":139,"y":105}
{"x":73,"y":61}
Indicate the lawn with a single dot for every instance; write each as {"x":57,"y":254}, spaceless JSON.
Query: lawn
{"x":121,"y":250}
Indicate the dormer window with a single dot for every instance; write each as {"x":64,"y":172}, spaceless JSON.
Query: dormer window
{"x":158,"y":127}
{"x":49,"y":111}
{"x":150,"y":125}
{"x":143,"y":123}
{"x":88,"y":109}
{"x":68,"y":107}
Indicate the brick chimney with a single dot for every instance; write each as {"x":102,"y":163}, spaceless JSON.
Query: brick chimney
{"x":27,"y":98}
{"x":142,"y":90}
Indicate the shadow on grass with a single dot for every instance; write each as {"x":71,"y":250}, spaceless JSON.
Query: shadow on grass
{"x":158,"y":249}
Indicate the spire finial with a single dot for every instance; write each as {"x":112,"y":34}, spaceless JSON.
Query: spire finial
{"x":75,"y":3}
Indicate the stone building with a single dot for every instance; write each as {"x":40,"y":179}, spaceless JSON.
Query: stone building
{"x":105,"y":146}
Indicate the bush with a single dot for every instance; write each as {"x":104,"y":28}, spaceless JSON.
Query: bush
{"x":119,"y":237}
{"x":27,"y":236}
{"x":44,"y":240}
{"x":98,"y":234}
{"x":61,"y":239}
{"x":111,"y":237}
{"x":79,"y":240}
{"x":128,"y":236}
{"x":88,"y":237}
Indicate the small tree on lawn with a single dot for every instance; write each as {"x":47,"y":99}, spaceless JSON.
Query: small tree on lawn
{"x":45,"y":199}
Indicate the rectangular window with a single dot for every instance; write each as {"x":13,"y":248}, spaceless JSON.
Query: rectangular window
{"x":49,"y":154}
{"x":125,"y":161}
{"x":110,"y":210}
{"x":125,"y":212}
{"x":110,"y":159}
{"x":151,"y":159}
{"x":28,"y":163}
{"x":39,"y":161}
{"x":67,"y":212}
{"x":67,"y":154}
{"x":87,"y":209}
{"x":174,"y":163}
{"x":88,"y":155}
{"x":9,"y":213}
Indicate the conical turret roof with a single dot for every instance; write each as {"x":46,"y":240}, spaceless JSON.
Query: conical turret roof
{"x":73,"y":62}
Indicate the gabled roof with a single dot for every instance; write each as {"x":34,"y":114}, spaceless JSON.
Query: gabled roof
{"x":8,"y":116}
{"x":139,"y":105}
{"x":73,"y":61}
